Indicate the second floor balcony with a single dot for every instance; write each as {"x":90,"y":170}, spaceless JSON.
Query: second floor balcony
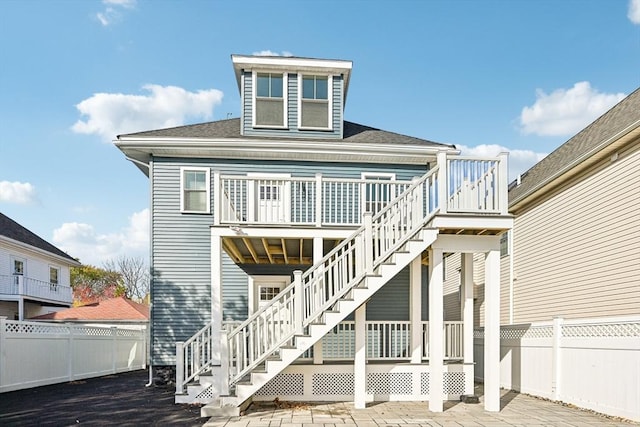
{"x":458,"y":185}
{"x":27,"y":287}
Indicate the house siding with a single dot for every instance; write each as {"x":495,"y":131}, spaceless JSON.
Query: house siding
{"x":181,"y":248}
{"x":577,"y":253}
{"x":292,"y":129}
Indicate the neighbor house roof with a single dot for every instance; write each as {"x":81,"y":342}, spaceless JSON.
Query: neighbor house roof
{"x":14,"y":231}
{"x":619,"y":121}
{"x":114,"y":309}
{"x":230,"y":128}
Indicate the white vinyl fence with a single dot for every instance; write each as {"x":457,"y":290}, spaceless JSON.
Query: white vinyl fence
{"x":33,"y":354}
{"x":590,"y":363}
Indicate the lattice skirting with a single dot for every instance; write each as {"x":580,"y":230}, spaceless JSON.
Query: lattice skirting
{"x":383,"y":383}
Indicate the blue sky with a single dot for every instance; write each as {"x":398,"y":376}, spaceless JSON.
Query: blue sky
{"x":522,"y":76}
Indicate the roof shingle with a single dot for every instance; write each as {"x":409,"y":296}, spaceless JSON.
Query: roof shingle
{"x":116,"y":309}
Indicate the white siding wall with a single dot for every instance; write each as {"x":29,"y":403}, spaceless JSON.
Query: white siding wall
{"x":577,"y":254}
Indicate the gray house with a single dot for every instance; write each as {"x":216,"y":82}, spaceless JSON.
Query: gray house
{"x":299,"y":255}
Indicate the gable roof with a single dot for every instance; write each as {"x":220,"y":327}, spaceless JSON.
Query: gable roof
{"x":230,"y":128}
{"x":114,"y":309}
{"x":12,"y":230}
{"x":619,"y":121}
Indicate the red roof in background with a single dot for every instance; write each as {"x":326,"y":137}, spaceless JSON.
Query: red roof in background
{"x":119,"y":309}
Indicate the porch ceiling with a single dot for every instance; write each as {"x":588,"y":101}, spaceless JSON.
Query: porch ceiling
{"x":263,"y":250}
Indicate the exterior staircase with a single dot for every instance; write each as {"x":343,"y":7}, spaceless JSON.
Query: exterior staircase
{"x":323,"y":296}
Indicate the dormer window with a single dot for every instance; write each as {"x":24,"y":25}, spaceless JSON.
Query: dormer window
{"x":270,"y":99}
{"x":315,"y":103}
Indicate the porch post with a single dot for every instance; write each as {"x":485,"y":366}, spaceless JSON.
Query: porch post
{"x":318,"y":253}
{"x":359,"y":360}
{"x":415,"y":283}
{"x":216,"y":296}
{"x":467,"y":320}
{"x":492,"y":331}
{"x":443,"y":197}
{"x":436,"y":328}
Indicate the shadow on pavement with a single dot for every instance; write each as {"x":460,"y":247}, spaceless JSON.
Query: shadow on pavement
{"x":120,"y":399}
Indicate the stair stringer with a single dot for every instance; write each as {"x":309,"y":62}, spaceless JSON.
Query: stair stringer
{"x":345,"y":306}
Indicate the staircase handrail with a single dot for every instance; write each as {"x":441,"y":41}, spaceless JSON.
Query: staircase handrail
{"x":280,"y":311}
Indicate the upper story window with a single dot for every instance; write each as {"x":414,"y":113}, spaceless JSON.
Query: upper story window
{"x":18,"y":267}
{"x":54,"y":273}
{"x":504,"y":244}
{"x":195,"y":194}
{"x":270,"y":99}
{"x":315,"y":103}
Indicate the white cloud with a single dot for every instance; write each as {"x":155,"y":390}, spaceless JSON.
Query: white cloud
{"x":111,"y":12}
{"x":83,"y":241}
{"x":110,"y":114}
{"x":634,"y":11}
{"x":566,"y":111}
{"x":20,"y":193}
{"x":519,"y":160}
{"x":272,"y":53}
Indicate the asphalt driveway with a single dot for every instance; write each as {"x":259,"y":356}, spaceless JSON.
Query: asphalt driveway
{"x":121,"y":400}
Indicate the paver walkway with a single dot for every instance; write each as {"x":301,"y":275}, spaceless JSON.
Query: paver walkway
{"x":517,"y":410}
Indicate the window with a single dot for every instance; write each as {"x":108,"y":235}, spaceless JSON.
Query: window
{"x":18,"y":267}
{"x":54,"y":273}
{"x":267,"y":293}
{"x":195,"y":196}
{"x":315,"y":103}
{"x":263,"y":289}
{"x":504,"y":244}
{"x":269,"y":99}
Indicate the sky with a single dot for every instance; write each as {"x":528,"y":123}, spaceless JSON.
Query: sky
{"x":521,"y":76}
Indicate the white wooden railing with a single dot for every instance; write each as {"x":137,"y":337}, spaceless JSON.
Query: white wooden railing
{"x":455,"y":185}
{"x":317,"y":201}
{"x":387,"y":340}
{"x":29,"y":287}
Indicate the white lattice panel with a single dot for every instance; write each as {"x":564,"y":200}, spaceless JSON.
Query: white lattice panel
{"x":332,"y":383}
{"x":284,"y":385}
{"x":207,"y":393}
{"x":32,"y":328}
{"x":389,"y":383}
{"x":530,"y":332}
{"x":453,"y":382}
{"x":424,"y":383}
{"x":610,"y":330}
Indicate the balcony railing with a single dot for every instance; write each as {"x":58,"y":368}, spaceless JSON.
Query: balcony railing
{"x":33,"y":288}
{"x":465,"y":185}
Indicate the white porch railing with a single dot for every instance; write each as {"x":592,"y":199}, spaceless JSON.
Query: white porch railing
{"x":387,"y":340}
{"x":28,"y":287}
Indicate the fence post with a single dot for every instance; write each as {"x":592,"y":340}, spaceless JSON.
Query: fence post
{"x":70,"y":345}
{"x":298,"y":303}
{"x":180,"y":374}
{"x":224,"y":363}
{"x":318,"y":200}
{"x":556,"y":374}
{"x":3,"y":347}
{"x":443,"y":197}
{"x":368,"y":243}
{"x":114,"y":349}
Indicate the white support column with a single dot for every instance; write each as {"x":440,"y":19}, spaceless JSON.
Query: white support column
{"x":466,"y":279}
{"x":318,"y":254}
{"x":360,"y":359}
{"x":443,"y":197}
{"x":436,"y":329}
{"x":415,"y":284}
{"x":216,"y":296}
{"x":21,"y":308}
{"x":318,"y":200}
{"x":503,"y":182}
{"x":556,"y":357}
{"x":368,"y":243}
{"x":217,"y":198}
{"x":492,"y":331}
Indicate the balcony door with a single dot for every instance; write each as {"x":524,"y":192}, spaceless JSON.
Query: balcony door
{"x":270,"y":195}
{"x":378,"y":191}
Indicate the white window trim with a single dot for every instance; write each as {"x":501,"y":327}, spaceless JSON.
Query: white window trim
{"x":57,"y":268}
{"x":329,"y":99}
{"x":12,"y":265}
{"x":207,"y":172}
{"x":368,"y":175}
{"x":253,"y":301}
{"x":285,"y":98}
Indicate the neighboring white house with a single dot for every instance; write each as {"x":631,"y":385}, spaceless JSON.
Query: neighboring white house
{"x":34,"y":274}
{"x":570,"y":271}
{"x":320,"y":242}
